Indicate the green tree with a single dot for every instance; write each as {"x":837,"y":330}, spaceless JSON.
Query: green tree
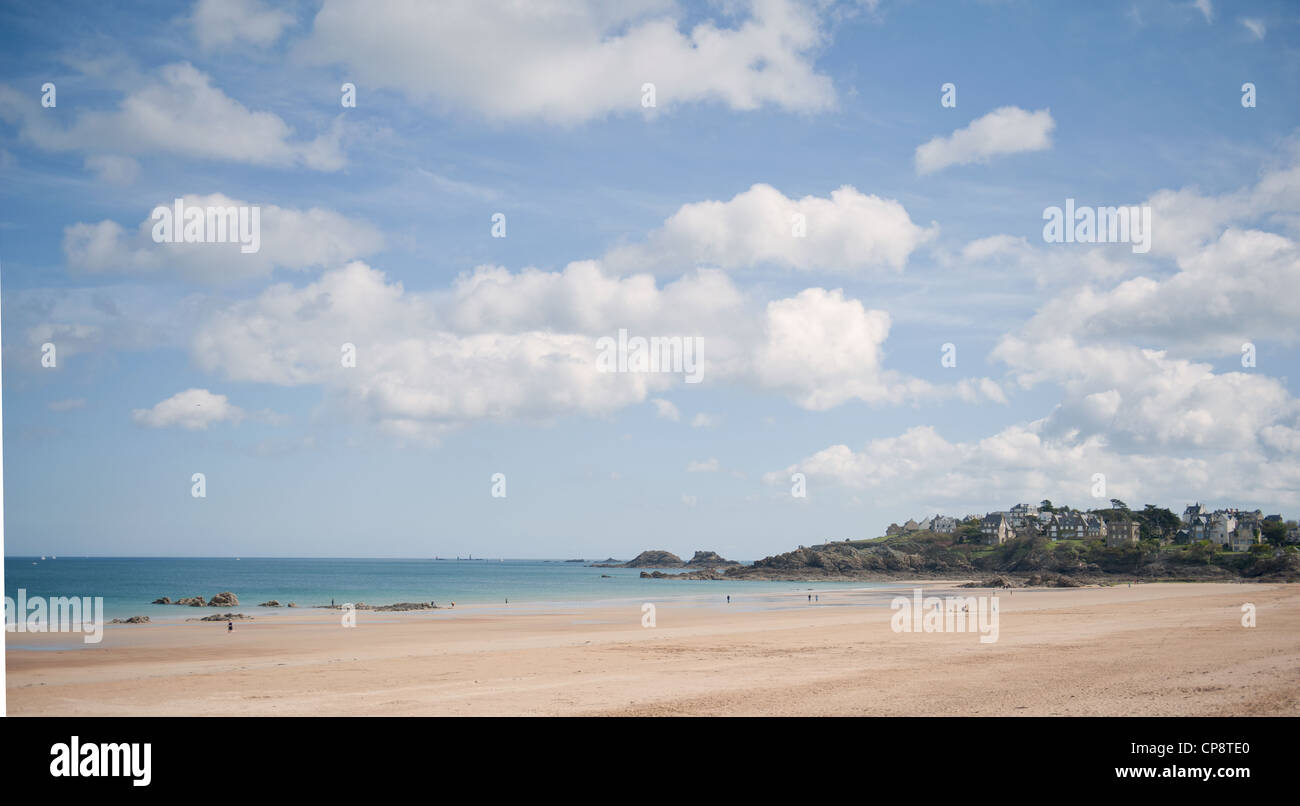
{"x":1274,"y":532}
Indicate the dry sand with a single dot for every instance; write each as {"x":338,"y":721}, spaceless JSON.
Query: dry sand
{"x":1159,"y":649}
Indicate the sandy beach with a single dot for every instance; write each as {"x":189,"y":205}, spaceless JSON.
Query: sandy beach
{"x":1153,"y":649}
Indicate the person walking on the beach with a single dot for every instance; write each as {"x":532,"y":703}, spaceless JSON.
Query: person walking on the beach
{"x":230,"y":626}
{"x":810,"y":597}
{"x":728,"y":598}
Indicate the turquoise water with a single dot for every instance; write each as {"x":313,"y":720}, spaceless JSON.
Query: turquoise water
{"x":130,"y":584}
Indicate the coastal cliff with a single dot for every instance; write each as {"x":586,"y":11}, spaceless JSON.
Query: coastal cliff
{"x":1027,"y":561}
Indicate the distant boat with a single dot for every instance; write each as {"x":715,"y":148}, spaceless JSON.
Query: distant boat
{"x":42,"y":558}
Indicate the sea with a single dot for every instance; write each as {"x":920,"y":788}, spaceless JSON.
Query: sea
{"x":129,"y":585}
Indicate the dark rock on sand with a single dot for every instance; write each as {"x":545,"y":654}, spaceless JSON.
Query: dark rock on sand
{"x":223,"y":617}
{"x":272,"y":603}
{"x":132,"y":620}
{"x":408,"y":606}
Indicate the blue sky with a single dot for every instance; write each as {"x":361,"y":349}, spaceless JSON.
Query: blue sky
{"x":475,"y":353}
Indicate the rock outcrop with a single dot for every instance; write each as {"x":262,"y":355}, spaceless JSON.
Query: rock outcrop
{"x":706,"y":574}
{"x":223,"y":617}
{"x":654,"y":559}
{"x":408,"y":606}
{"x":659,"y":558}
{"x":131,"y":620}
{"x":272,"y":603}
{"x":224,"y":599}
{"x":709,"y":559}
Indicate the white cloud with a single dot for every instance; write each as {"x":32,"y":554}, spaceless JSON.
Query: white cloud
{"x":523,"y":345}
{"x":849,"y":231}
{"x":1234,"y":290}
{"x":823,"y":350}
{"x":573,"y":60}
{"x":413,"y":372}
{"x":1140,"y":399}
{"x":1008,"y":130}
{"x":290,"y":239}
{"x":919,"y":470}
{"x":193,"y":410}
{"x":177,"y":112}
{"x":707,"y":466}
{"x":1137,"y":401}
{"x":1256,"y":27}
{"x":1206,"y":8}
{"x":221,"y":23}
{"x":666,"y":409}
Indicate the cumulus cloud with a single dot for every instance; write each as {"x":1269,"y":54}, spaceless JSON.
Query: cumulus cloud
{"x":193,"y":410}
{"x":1137,"y":401}
{"x":920,"y":470}
{"x":523,"y":345}
{"x":290,"y":239}
{"x":1140,"y":398}
{"x":1233,"y":291}
{"x":221,"y":23}
{"x":849,"y":231}
{"x":574,"y":60}
{"x":179,"y":111}
{"x":823,"y":350}
{"x":1008,"y":130}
